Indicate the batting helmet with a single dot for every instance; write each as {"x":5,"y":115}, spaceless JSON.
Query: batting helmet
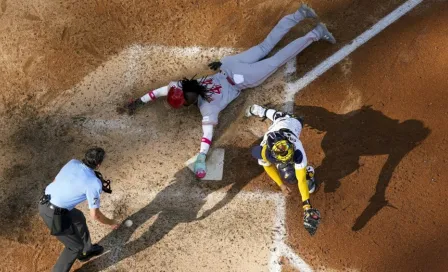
{"x":280,"y":147}
{"x":176,"y":97}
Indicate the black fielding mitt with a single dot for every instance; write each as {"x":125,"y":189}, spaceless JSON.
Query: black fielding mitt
{"x":311,"y":220}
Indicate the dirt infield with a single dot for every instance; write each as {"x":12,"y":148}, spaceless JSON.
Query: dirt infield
{"x":375,"y":132}
{"x":377,"y":135}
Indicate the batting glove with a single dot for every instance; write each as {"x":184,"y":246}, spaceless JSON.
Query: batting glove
{"x":215,"y":65}
{"x":133,"y":105}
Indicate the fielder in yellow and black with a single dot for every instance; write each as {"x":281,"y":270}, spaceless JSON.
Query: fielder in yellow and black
{"x":283,"y":157}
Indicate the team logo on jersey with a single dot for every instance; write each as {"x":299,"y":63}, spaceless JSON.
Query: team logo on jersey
{"x":208,"y":82}
{"x":95,"y":200}
{"x":216,"y":89}
{"x":290,"y":137}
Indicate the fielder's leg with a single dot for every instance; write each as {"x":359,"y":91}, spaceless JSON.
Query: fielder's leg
{"x":260,"y":51}
{"x":256,"y":73}
{"x":256,"y":110}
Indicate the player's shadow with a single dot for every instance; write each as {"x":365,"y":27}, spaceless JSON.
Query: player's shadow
{"x":179,"y":202}
{"x":362,"y":132}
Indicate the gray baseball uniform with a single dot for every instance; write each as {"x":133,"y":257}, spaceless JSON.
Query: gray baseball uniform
{"x":247,"y":70}
{"x":249,"y":65}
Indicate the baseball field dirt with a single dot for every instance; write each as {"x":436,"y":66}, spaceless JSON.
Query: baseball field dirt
{"x":375,"y":130}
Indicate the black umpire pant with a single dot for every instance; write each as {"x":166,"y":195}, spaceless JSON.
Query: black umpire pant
{"x":75,"y":243}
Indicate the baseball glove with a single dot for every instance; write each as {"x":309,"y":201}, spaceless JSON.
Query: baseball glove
{"x":311,"y":220}
{"x":215,"y":65}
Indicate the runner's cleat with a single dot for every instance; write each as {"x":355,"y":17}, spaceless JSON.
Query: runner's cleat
{"x":324,"y":34}
{"x":307,"y":12}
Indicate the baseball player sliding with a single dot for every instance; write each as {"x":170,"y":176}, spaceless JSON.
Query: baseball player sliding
{"x":282,"y":155}
{"x":245,"y":70}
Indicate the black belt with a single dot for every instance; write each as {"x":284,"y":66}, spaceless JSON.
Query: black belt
{"x":61,"y":223}
{"x":45,"y":200}
{"x":54,"y":207}
{"x":57,"y":209}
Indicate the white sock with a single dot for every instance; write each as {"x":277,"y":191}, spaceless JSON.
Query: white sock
{"x":146,"y":98}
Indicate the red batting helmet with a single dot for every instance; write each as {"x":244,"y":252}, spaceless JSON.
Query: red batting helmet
{"x":176,"y":97}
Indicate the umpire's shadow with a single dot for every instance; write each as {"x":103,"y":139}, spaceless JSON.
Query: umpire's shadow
{"x":362,"y":132}
{"x":179,"y":202}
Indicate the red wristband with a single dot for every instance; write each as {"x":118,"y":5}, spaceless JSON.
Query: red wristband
{"x":152,"y":95}
{"x":207,"y":141}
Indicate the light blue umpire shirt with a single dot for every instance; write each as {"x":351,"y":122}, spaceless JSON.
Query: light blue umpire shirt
{"x":75,"y":183}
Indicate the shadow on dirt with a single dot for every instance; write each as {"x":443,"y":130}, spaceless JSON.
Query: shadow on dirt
{"x":39,"y":147}
{"x":179,"y":202}
{"x":363,"y":132}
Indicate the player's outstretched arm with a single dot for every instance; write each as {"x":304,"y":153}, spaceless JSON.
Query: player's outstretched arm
{"x":97,"y":215}
{"x":200,"y":169}
{"x":150,"y":96}
{"x":154,"y":94}
{"x":303,"y":186}
{"x":311,"y":217}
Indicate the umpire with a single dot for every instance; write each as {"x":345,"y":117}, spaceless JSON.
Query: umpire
{"x":75,"y":182}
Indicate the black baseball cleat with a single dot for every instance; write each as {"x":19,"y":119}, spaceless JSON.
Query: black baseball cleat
{"x":94,"y":251}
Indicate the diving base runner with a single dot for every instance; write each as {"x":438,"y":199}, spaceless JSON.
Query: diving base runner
{"x":245,"y":70}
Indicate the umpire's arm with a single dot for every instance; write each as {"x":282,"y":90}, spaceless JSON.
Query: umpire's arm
{"x":97,"y":215}
{"x":93,"y":198}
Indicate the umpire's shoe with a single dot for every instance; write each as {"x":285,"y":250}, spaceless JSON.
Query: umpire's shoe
{"x":95,"y":251}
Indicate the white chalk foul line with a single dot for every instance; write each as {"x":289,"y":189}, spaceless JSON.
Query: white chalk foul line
{"x":291,"y":67}
{"x":292,"y":88}
{"x":280,"y":249}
